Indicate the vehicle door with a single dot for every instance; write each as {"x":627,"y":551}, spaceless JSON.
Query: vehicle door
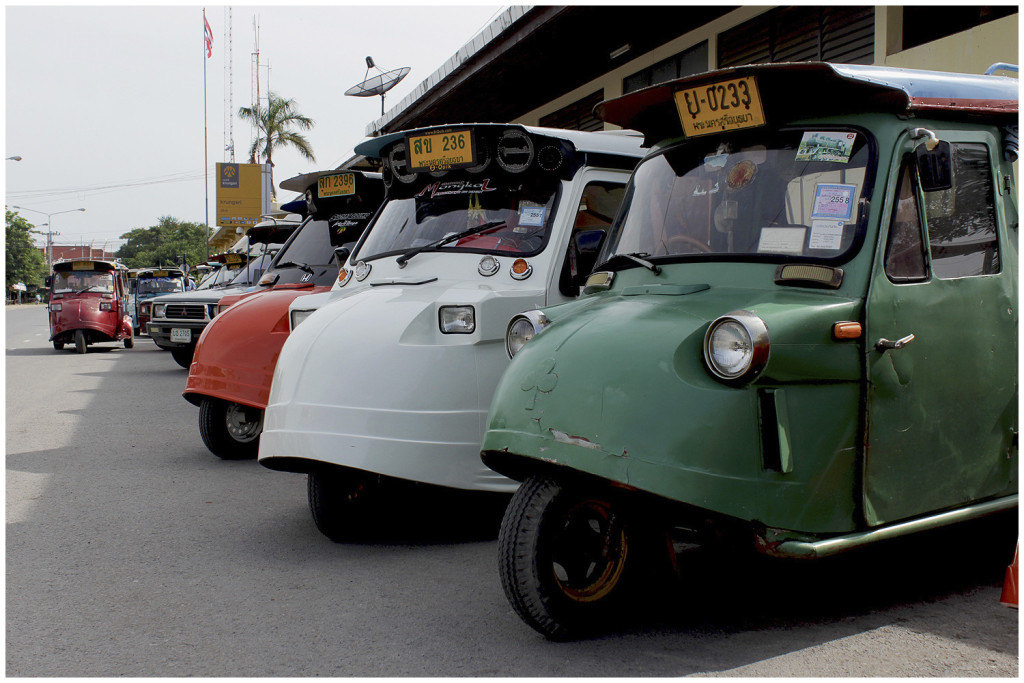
{"x":941,"y":404}
{"x":596,"y":197}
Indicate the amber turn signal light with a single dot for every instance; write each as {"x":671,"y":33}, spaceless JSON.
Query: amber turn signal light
{"x":846,"y":330}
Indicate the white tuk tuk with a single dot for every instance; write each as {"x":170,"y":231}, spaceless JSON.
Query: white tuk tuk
{"x":387,"y":379}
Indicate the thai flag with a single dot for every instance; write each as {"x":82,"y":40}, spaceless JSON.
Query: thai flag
{"x":209,"y":37}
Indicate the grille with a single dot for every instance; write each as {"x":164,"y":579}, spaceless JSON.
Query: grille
{"x":185,"y":311}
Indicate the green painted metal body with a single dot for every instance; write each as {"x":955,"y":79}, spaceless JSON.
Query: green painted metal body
{"x":616,"y":385}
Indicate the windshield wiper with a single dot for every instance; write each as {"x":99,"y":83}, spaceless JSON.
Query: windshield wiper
{"x":305,"y":268}
{"x":83,"y":291}
{"x":635,"y":257}
{"x":404,"y":258}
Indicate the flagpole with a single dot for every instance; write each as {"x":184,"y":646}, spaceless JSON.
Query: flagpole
{"x":206,"y":162}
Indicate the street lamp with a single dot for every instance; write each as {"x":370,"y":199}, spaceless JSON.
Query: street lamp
{"x":14,"y":158}
{"x":49,"y":233}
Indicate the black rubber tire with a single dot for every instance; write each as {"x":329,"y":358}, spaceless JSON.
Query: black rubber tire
{"x":183,"y":355}
{"x":58,"y":346}
{"x":129,"y":341}
{"x":80,"y":345}
{"x":527,"y":545}
{"x":213,"y":429}
{"x":346,"y":504}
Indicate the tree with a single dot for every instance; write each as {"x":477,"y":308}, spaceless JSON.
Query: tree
{"x":274,"y":125}
{"x":25,"y":262}
{"x":164,"y":243}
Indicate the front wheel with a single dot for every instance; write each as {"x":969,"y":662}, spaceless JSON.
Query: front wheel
{"x":563,"y":557}
{"x":231,"y":431}
{"x":345,"y":504}
{"x":80,"y":345}
{"x":129,"y":341}
{"x":183,"y":355}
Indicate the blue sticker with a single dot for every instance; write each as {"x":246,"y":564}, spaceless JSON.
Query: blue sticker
{"x":833,"y":201}
{"x":532,"y":215}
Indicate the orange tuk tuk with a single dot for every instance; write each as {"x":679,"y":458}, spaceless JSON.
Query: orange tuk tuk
{"x":229,"y":378}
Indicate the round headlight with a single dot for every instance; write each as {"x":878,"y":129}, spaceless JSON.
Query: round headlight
{"x":736,"y":347}
{"x":522,"y":329}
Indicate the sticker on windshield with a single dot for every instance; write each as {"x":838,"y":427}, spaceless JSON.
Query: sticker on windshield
{"x":782,"y":240}
{"x":826,"y":146}
{"x":826,"y":234}
{"x":833,"y":201}
{"x":531,"y":215}
{"x":456,"y":187}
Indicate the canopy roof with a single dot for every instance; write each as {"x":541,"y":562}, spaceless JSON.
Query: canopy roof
{"x":610,"y":142}
{"x":96,"y":265}
{"x":807,"y":89}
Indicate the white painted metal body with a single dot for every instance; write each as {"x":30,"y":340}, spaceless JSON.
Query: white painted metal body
{"x":368,"y":380}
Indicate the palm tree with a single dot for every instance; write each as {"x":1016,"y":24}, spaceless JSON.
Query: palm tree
{"x":274,"y":124}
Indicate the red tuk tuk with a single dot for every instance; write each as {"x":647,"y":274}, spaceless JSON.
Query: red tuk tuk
{"x":88,"y":304}
{"x":229,"y":378}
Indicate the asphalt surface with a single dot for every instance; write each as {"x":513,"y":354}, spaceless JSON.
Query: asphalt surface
{"x":132,"y":551}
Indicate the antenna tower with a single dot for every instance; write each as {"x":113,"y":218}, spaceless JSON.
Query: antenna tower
{"x":229,"y":92}
{"x":254,"y":71}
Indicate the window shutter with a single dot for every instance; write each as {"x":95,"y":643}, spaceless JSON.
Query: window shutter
{"x":577,"y":116}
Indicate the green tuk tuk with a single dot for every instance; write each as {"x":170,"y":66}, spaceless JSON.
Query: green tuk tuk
{"x":800,"y":337}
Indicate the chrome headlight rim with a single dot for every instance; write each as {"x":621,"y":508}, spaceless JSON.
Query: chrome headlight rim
{"x":756,"y":331}
{"x":537,"y":320}
{"x":361,"y":270}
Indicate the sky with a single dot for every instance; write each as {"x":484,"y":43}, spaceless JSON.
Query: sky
{"x":105,"y":104}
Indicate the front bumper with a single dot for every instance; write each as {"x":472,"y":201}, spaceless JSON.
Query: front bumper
{"x":160,"y":332}
{"x":365,"y":382}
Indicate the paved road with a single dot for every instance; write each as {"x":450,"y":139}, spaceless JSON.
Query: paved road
{"x":131,"y":551}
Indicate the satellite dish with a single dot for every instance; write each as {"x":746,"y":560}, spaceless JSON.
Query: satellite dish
{"x":379,"y":84}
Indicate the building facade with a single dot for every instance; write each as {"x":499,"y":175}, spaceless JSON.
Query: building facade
{"x":549,"y":65}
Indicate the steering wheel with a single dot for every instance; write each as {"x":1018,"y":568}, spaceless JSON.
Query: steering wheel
{"x":675,"y":241}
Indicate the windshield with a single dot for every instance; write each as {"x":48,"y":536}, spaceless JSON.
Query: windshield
{"x":794,"y":193}
{"x":521,"y":212}
{"x":207,"y":279}
{"x":311,"y":246}
{"x":79,"y":280}
{"x":250,"y":273}
{"x":160,"y":285}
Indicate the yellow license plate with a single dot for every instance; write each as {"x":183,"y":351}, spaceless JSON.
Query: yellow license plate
{"x":718,"y":107}
{"x":441,"y":151}
{"x":336,"y":185}
{"x":82,"y":265}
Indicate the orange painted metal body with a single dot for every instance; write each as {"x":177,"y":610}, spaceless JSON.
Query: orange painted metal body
{"x":237,"y":352}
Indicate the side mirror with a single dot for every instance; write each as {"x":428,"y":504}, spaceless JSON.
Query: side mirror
{"x":341,"y":253}
{"x":934,"y":166}
{"x":580,"y":259}
{"x":47,"y":281}
{"x":588,"y":246}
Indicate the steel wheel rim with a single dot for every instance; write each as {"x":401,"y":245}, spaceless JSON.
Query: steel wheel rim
{"x":588,"y":551}
{"x":240,"y":423}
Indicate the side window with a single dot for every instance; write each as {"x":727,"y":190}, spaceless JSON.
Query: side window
{"x":962,"y":220}
{"x":598,"y":205}
{"x":904,"y":253}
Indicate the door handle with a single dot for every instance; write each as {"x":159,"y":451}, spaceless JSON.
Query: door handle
{"x":884,"y":344}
